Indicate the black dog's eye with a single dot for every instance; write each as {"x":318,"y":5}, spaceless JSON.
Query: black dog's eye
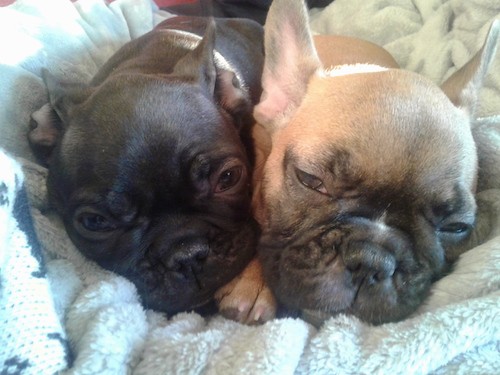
{"x":229,"y":178}
{"x":455,"y":228}
{"x":95,"y":223}
{"x":311,"y":181}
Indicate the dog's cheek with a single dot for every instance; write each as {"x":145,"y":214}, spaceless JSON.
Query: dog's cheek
{"x":118,"y":252}
{"x":128,"y":247}
{"x":285,"y":219}
{"x":308,"y":273}
{"x":234,"y":207}
{"x":429,"y":251}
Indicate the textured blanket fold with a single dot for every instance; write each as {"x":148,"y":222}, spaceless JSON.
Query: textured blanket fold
{"x":60,"y":312}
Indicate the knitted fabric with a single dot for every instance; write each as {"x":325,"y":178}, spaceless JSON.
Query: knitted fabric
{"x":31,"y":334}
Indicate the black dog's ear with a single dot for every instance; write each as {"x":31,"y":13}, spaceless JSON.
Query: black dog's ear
{"x":232,"y":96}
{"x":48,"y":123}
{"x":218,"y":82}
{"x":63,"y":96}
{"x":199,"y":64}
{"x":45,"y":132}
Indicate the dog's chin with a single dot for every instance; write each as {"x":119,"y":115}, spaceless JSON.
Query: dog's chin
{"x":171,"y":287}
{"x":378,"y":303}
{"x":375,"y":304}
{"x":312,"y":277}
{"x":161,"y":296}
{"x":179,"y":289}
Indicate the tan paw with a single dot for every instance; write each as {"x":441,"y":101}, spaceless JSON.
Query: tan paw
{"x":247,"y":299}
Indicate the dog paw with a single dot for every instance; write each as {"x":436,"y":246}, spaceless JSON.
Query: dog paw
{"x":247,"y":299}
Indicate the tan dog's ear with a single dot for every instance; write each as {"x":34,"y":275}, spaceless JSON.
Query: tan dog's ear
{"x":290,"y":60}
{"x":463,"y":86}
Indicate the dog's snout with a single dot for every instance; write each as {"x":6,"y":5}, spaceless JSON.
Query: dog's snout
{"x":188,"y":255}
{"x":369,"y":262}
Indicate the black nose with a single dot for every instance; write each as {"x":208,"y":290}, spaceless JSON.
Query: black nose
{"x":368,"y":262}
{"x":188,"y":255}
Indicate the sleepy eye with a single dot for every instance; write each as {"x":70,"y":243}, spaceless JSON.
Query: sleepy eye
{"x":450,"y":222}
{"x":311,"y":181}
{"x":452,"y":232}
{"x":455,"y":228}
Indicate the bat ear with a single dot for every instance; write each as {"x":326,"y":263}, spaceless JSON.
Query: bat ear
{"x":199,"y":64}
{"x":463,"y":86}
{"x":290,"y":61}
{"x":222,"y":84}
{"x":45,"y":132}
{"x":47,"y":124}
{"x":64,"y":96}
{"x":233,"y":97}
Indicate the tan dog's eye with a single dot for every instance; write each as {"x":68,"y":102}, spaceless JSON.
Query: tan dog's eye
{"x":455,"y":228}
{"x":311,"y":181}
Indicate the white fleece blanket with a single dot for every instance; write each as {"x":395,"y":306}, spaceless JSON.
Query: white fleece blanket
{"x":64,"y":314}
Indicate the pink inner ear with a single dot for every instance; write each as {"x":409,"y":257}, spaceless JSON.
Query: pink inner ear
{"x":274,"y":102}
{"x":290,"y":61}
{"x":287,"y":71}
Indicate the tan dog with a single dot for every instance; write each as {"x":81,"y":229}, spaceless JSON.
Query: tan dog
{"x":247,"y":298}
{"x":368,"y":187}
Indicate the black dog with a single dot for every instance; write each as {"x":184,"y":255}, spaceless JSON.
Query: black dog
{"x":149,"y":164}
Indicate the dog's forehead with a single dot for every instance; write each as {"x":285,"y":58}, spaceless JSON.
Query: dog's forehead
{"x":149,"y":107}
{"x":385,"y":125}
{"x":152,"y":131}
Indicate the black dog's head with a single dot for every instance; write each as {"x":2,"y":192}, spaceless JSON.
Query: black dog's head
{"x":150,"y":175}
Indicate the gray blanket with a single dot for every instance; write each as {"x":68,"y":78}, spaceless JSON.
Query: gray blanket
{"x":61,"y":312}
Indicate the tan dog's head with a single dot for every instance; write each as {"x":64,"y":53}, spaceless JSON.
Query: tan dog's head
{"x":369,"y":185}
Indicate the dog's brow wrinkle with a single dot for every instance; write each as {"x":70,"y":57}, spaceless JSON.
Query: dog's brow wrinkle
{"x":289,"y":157}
